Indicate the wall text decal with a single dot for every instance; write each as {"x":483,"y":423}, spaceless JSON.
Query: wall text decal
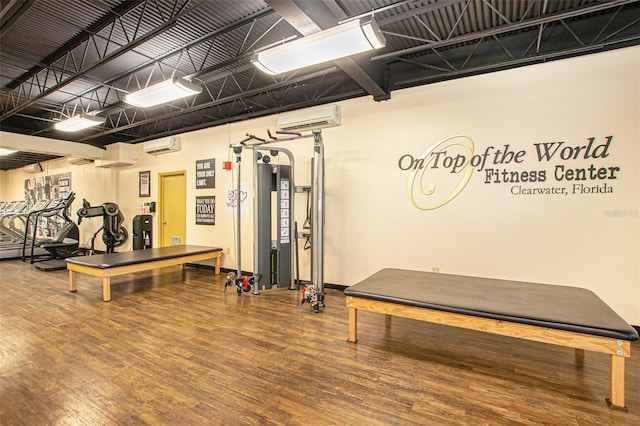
{"x":442,"y":171}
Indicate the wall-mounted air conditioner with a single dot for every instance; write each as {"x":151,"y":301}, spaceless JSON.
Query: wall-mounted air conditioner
{"x":162,"y":146}
{"x":33,"y":168}
{"x":310,"y":118}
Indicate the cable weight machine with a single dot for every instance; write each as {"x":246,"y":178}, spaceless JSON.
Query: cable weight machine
{"x":275,"y":258}
{"x":114,"y":234}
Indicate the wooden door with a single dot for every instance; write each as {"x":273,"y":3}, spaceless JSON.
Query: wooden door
{"x":172,"y":221}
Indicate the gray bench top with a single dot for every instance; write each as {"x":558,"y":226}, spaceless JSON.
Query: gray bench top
{"x":559,"y":307}
{"x":112,"y":260}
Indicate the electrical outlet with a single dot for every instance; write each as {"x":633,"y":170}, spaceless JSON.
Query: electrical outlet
{"x":435,"y":269}
{"x":228,"y":250}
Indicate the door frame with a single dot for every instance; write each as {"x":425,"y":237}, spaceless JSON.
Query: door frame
{"x":161,"y":201}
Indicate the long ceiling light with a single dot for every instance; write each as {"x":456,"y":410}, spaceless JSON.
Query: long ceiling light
{"x":337,"y":42}
{"x":5,"y":152}
{"x":167,"y":91}
{"x":78,"y":122}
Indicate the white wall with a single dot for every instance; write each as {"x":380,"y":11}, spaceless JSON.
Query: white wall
{"x":586,"y":240}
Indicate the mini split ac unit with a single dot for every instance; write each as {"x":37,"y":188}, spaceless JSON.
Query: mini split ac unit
{"x":33,"y":168}
{"x":162,"y":146}
{"x":311,"y":118}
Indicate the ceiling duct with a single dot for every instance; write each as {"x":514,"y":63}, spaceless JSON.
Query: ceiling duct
{"x":118,"y":155}
{"x":77,"y":161}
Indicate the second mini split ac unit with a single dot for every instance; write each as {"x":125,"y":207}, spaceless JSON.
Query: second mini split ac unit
{"x":310,"y":118}
{"x":162,"y":146}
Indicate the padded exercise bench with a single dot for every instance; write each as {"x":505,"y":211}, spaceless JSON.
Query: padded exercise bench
{"x":110,"y":265}
{"x":560,"y":315}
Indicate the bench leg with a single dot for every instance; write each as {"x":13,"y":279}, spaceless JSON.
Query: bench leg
{"x":72,"y":281}
{"x":353,"y":325}
{"x":387,"y":320}
{"x":579,"y":357}
{"x":218,"y":265}
{"x":106,"y":289}
{"x":616,"y":383}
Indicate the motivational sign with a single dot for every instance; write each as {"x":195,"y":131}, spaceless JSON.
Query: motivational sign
{"x":206,"y":210}
{"x":206,"y":173}
{"x":552,"y":168}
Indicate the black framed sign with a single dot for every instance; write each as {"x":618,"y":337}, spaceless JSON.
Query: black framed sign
{"x":144,"y":184}
{"x":206,"y":173}
{"x":206,"y":210}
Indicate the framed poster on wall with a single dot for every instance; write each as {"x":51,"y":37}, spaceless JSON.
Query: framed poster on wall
{"x":206,"y":210}
{"x":206,"y":173}
{"x":144,"y":184}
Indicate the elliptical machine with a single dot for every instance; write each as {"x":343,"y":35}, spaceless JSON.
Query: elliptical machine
{"x":113,"y":233}
{"x":65,"y":243}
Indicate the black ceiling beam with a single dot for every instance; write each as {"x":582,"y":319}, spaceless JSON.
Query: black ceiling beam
{"x":389,"y":57}
{"x":215,"y":102}
{"x":106,"y":20}
{"x":417,"y":11}
{"x":118,"y":52}
{"x":10,"y":14}
{"x":231,"y":61}
{"x":306,"y":25}
{"x":502,"y":65}
{"x":223,"y":30}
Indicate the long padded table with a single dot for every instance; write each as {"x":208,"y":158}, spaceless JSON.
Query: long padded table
{"x":560,"y":315}
{"x":114,"y":264}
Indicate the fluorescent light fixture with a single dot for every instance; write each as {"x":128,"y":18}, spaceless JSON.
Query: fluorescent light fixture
{"x":5,"y":151}
{"x":78,"y":122}
{"x":167,"y":91}
{"x":337,"y":42}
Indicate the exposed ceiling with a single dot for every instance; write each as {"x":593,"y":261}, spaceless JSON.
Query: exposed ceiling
{"x":62,"y":57}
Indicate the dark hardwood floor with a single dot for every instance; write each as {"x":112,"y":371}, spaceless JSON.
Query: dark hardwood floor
{"x":170,"y":352}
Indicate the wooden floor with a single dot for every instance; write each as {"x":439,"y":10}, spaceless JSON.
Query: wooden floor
{"x":168,"y":352}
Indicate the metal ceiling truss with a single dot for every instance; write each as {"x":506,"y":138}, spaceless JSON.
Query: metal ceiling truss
{"x":234,"y":89}
{"x":227,"y":99}
{"x":530,"y":39}
{"x":428,"y":41}
{"x":232,"y":81}
{"x":89,"y":53}
{"x":252,"y":18}
{"x":106,"y":97}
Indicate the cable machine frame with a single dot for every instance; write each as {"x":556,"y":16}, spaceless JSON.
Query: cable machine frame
{"x":314,"y":293}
